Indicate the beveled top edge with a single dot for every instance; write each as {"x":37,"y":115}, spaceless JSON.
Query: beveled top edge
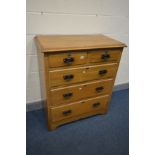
{"x":59,"y":43}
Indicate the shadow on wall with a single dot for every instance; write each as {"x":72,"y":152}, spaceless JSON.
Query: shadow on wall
{"x":33,"y":92}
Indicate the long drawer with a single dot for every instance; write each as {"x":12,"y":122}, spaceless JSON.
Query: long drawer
{"x":77,"y":108}
{"x":80,"y":74}
{"x":76,"y":92}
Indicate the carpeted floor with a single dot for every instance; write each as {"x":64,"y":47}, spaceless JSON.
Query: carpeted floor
{"x":98,"y":135}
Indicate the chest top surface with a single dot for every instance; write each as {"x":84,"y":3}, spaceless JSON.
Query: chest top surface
{"x":58,"y":43}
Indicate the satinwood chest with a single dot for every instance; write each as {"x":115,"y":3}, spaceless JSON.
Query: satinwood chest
{"x":77,"y":74}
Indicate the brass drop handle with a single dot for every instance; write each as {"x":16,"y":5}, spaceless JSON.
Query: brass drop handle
{"x":68,"y":60}
{"x":68,"y":77}
{"x":103,"y":72}
{"x":96,"y":104}
{"x":99,"y":89}
{"x":105,"y":56}
{"x":67,"y":112}
{"x":67,"y":95}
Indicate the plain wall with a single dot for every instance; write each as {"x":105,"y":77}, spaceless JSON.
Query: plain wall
{"x":109,"y":17}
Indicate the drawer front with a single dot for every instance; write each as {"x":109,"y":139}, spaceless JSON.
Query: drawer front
{"x":104,"y":56}
{"x":81,"y":91}
{"x":67,"y":59}
{"x":77,"y":108}
{"x":81,"y":74}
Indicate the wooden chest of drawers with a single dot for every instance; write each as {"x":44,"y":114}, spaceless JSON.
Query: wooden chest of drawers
{"x":77,"y":74}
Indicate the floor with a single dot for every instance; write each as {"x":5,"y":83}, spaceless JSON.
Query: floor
{"x":98,"y":135}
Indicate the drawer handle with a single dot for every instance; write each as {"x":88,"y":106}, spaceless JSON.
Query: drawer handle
{"x":103,"y":72}
{"x":96,"y":104}
{"x":105,"y":56}
{"x":68,"y":60}
{"x":68,"y":77}
{"x":67,"y":112}
{"x":99,"y":89}
{"x":67,"y":95}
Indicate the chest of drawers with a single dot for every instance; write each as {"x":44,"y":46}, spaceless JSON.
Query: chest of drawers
{"x":77,"y":74}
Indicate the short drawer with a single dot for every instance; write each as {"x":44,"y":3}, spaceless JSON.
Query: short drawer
{"x":78,"y":108}
{"x":77,"y":92}
{"x":67,"y":59}
{"x":107,"y":55}
{"x":81,"y":74}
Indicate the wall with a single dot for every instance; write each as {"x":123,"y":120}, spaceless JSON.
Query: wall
{"x":109,"y":17}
